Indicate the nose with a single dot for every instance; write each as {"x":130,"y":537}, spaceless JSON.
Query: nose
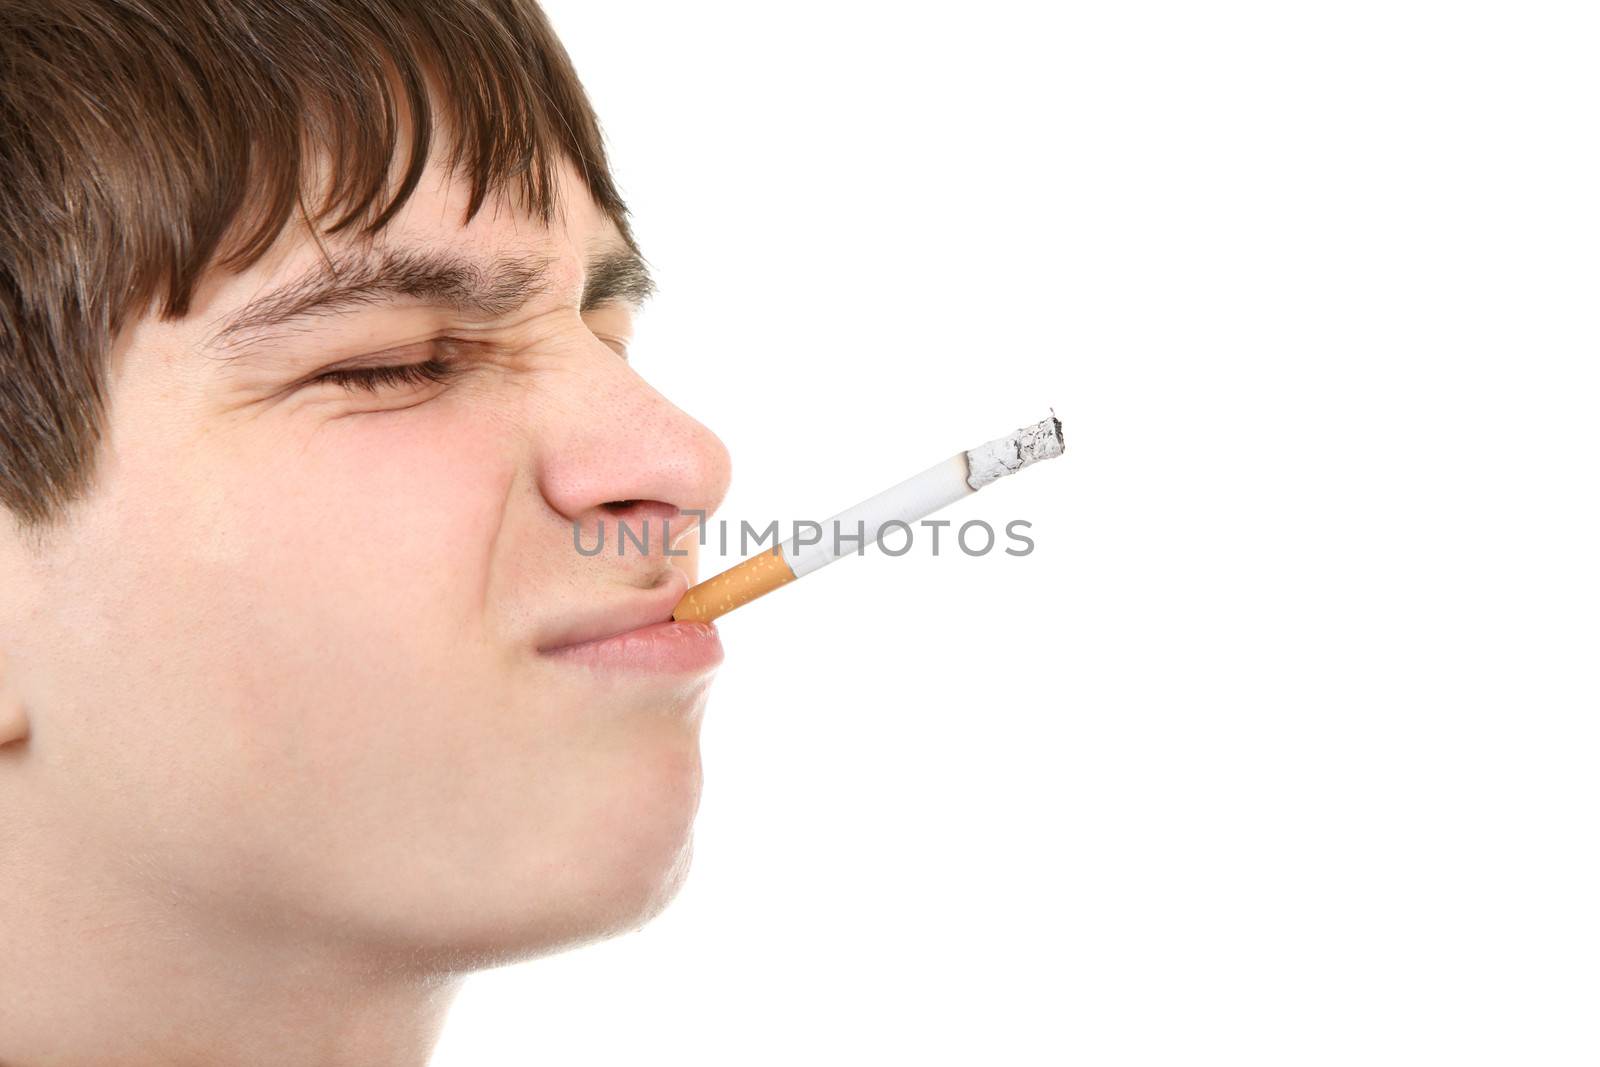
{"x":623,"y":454}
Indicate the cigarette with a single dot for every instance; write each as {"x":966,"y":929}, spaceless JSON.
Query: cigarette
{"x":915,"y":498}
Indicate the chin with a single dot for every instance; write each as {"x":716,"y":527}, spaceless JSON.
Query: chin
{"x":622,"y":859}
{"x":641,"y":850}
{"x":633,"y":900}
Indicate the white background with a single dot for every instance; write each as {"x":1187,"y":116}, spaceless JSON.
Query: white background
{"x":1281,"y":748}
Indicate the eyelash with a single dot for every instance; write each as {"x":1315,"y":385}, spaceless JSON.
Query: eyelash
{"x":374,"y":379}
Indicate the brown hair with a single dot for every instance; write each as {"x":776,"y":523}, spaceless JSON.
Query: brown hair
{"x":144,"y":141}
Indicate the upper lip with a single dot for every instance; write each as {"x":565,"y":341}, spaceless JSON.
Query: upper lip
{"x":647,"y":607}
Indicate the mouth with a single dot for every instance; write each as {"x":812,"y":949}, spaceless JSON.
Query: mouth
{"x":665,"y":647}
{"x":638,"y":635}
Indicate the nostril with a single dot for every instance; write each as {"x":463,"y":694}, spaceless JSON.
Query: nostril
{"x":619,"y":505}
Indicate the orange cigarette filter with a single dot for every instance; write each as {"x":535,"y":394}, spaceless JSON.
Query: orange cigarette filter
{"x":735,"y":587}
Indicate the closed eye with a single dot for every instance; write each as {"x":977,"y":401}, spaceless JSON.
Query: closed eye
{"x":376,"y":379}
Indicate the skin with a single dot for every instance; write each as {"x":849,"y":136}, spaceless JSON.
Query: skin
{"x":279,"y":760}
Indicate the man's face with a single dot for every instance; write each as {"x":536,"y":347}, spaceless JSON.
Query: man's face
{"x":283,"y":666}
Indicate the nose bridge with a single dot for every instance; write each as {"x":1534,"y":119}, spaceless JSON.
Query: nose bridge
{"x":621,"y":440}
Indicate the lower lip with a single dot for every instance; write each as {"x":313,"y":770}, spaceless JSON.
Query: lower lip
{"x":660,"y":648}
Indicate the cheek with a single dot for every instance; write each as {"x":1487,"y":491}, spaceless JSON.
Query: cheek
{"x":272,"y":582}
{"x":388,"y":499}
{"x":368,"y":570}
{"x":317,"y":626}
{"x":382,"y":522}
{"x":228,"y":613}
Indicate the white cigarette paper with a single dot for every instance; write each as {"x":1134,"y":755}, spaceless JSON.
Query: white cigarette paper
{"x":913,"y":499}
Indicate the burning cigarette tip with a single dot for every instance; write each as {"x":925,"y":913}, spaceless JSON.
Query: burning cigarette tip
{"x":1007,"y":455}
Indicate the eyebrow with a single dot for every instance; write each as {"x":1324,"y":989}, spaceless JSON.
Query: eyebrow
{"x":353,"y":279}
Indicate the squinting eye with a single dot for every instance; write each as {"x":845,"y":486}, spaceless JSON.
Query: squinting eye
{"x":374,"y":379}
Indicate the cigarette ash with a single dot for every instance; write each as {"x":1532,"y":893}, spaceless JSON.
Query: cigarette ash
{"x":1007,"y":455}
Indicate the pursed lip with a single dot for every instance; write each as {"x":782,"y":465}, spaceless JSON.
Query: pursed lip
{"x":639,"y":610}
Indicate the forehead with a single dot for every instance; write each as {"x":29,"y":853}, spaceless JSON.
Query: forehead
{"x":433,"y":217}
